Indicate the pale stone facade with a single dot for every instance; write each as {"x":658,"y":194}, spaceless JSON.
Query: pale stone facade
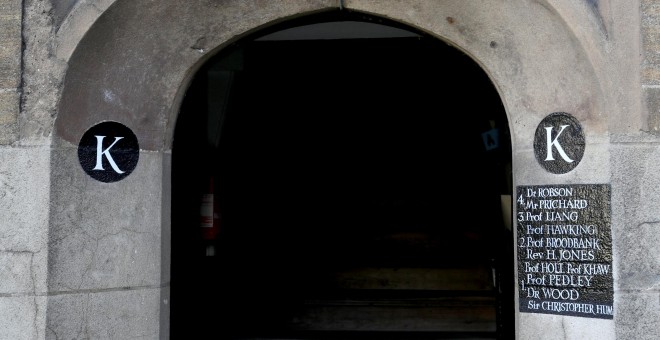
{"x":85,"y":259}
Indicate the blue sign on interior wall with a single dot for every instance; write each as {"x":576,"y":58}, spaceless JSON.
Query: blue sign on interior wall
{"x":491,"y":139}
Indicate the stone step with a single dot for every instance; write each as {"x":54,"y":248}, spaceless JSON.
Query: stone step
{"x":398,"y":311}
{"x":472,"y":278}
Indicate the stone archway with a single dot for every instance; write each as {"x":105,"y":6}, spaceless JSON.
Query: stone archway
{"x":108,"y":245}
{"x":337,"y":189}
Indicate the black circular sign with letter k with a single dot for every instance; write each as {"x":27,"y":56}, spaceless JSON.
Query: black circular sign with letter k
{"x":108,"y":151}
{"x":559,"y":143}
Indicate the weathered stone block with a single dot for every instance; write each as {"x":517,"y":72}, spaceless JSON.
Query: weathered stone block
{"x":127,"y":314}
{"x":104,"y":235}
{"x":22,"y":317}
{"x":9,"y":107}
{"x":8,"y":134}
{"x":637,"y":315}
{"x":650,"y":33}
{"x":10,"y":43}
{"x":652,"y":101}
{"x":636,"y":226}
{"x":23,"y":220}
{"x":24,"y":180}
{"x":564,"y":327}
{"x":16,"y":272}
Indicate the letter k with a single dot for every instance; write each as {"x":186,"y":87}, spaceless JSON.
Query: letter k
{"x":555,"y":143}
{"x":100,"y":153}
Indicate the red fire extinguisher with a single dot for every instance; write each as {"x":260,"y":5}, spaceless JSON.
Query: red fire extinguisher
{"x":209,"y":213}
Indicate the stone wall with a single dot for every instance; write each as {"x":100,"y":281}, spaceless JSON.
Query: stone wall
{"x":85,"y":259}
{"x":10,"y":68}
{"x":636,"y":203}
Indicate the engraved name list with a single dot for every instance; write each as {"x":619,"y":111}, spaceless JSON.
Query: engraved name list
{"x":564,"y":248}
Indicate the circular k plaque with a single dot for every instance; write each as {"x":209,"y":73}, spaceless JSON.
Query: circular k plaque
{"x":108,"y":151}
{"x":559,"y":143}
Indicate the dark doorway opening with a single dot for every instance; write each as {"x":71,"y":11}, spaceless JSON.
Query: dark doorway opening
{"x":357,"y":189}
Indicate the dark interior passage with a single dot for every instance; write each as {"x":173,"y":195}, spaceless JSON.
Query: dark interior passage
{"x":356,"y":191}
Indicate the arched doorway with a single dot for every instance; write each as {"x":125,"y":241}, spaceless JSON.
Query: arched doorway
{"x":358,"y":182}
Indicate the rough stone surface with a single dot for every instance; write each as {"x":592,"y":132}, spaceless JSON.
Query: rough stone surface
{"x":8,"y":134}
{"x":123,"y":314}
{"x":74,"y":21}
{"x":636,"y":235}
{"x":638,"y":315}
{"x":92,"y":239}
{"x":652,"y":99}
{"x":10,"y":68}
{"x":23,"y":273}
{"x":636,"y":218}
{"x":24,"y":201}
{"x":556,"y":327}
{"x":650,"y":31}
{"x":104,"y":235}
{"x":22,"y":317}
{"x":61,"y":8}
{"x":638,"y":268}
{"x":166,"y":217}
{"x":10,"y":43}
{"x":588,"y":329}
{"x":42,"y":75}
{"x":530,"y":324}
{"x":9,"y":107}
